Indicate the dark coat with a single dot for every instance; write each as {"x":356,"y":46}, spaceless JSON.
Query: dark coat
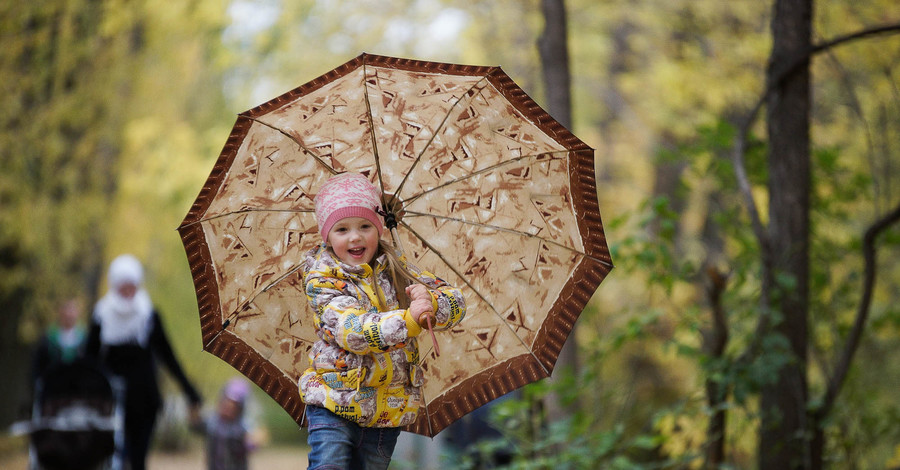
{"x":137,"y":365}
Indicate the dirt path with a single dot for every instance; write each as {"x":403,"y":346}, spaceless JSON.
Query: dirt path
{"x":266,"y":458}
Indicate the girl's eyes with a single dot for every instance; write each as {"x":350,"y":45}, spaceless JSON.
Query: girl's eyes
{"x":342,"y":229}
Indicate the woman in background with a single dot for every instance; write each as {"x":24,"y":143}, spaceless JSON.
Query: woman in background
{"x":127,"y":338}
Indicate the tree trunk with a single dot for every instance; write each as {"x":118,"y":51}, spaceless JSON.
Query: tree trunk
{"x":783,"y":403}
{"x":554,"y":52}
{"x":15,"y":357}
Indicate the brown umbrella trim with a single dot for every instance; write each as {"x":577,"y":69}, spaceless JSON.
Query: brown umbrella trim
{"x":362,"y":60}
{"x":283,"y":389}
{"x":568,"y":307}
{"x":581,"y":165}
{"x":590,"y":272}
{"x":223,"y":343}
{"x":583,"y":182}
{"x":594,"y":268}
{"x":195,"y":245}
{"x":532,"y":111}
{"x":204,"y":282}
{"x":215,"y":338}
{"x":477,"y":391}
{"x":218,"y":173}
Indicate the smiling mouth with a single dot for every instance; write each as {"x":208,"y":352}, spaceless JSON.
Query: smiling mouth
{"x":356,"y":251}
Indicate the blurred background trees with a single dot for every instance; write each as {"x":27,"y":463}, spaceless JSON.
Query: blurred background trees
{"x":114,"y":112}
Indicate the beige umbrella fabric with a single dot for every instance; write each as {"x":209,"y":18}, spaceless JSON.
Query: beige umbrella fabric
{"x":492,"y":195}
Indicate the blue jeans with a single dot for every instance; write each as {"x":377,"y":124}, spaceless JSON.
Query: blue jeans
{"x":336,"y":443}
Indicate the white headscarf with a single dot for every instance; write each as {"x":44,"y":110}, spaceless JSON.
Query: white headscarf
{"x":124,"y":320}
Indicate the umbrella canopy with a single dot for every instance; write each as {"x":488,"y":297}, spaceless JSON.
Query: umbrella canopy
{"x":491,"y":194}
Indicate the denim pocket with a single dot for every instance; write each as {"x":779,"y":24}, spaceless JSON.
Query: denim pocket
{"x":322,"y":418}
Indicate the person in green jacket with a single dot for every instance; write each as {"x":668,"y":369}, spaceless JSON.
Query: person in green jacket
{"x":63,"y":342}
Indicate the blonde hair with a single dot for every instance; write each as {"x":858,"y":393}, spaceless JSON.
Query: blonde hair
{"x":400,"y":273}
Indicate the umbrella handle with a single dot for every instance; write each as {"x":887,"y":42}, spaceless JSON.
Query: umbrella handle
{"x":437,"y":350}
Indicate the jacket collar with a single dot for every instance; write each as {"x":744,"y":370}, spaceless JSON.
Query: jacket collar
{"x":361,"y":271}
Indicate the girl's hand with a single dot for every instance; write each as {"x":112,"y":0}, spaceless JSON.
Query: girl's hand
{"x":420,"y":306}
{"x":417,"y":292}
{"x":421,"y":311}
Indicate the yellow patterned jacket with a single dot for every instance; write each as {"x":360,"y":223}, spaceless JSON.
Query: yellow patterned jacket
{"x":364,"y":367}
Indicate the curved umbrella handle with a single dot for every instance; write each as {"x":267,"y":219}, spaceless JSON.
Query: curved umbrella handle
{"x":437,"y":350}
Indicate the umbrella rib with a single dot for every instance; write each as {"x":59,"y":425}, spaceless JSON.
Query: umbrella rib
{"x":427,"y":411}
{"x":244,"y":211}
{"x":477,"y":292}
{"x":214,"y":338}
{"x":503,"y":229}
{"x":371,"y":123}
{"x":434,"y":134}
{"x":267,"y":287}
{"x":236,"y":313}
{"x":481,"y":172}
{"x":281,"y":278}
{"x":299,"y":144}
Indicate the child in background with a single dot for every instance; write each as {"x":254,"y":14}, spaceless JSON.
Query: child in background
{"x":364,"y":380}
{"x":63,"y":342}
{"x":228,"y":438}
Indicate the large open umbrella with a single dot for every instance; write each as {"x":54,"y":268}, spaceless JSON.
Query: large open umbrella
{"x":491,"y":194}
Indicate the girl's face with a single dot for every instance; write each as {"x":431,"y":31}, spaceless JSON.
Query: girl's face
{"x":354,"y":240}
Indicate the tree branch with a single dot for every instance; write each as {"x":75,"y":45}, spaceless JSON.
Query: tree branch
{"x":865,"y":33}
{"x":715,"y":339}
{"x":740,"y":147}
{"x":740,"y":172}
{"x":862,"y":313}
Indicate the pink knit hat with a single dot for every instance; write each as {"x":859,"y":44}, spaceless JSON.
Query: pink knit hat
{"x":347,"y":195}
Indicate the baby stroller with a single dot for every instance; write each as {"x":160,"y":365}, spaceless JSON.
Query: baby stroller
{"x":76,"y":421}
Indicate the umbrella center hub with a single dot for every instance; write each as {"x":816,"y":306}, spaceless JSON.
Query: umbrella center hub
{"x":392,"y":211}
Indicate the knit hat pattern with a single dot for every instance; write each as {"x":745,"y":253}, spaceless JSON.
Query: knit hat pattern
{"x":347,"y":195}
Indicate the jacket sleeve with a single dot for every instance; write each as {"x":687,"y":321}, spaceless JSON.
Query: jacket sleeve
{"x":340,"y":317}
{"x":163,"y":350}
{"x":448,"y":302}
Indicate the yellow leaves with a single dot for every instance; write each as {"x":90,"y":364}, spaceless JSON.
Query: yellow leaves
{"x":118,"y":17}
{"x":895,"y":460}
{"x":163,"y":155}
{"x":683,"y":435}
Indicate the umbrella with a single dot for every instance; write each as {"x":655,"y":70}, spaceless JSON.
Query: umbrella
{"x":490,"y":193}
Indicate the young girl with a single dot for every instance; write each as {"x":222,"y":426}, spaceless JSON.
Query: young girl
{"x":229,"y":436}
{"x":363,"y":382}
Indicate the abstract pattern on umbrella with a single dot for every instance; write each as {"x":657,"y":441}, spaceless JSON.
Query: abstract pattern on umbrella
{"x":493,"y":195}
